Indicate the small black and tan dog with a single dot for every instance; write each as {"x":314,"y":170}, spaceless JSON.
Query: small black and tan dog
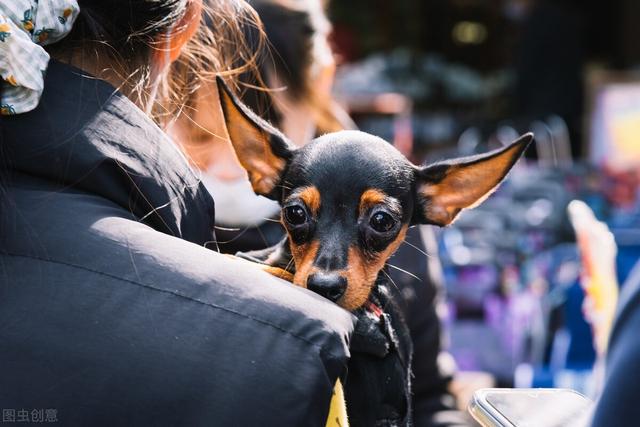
{"x":347,"y":200}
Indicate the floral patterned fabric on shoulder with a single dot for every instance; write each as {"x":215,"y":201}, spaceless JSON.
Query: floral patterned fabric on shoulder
{"x":26,"y":26}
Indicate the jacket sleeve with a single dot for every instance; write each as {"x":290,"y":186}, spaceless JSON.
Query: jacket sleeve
{"x":419,"y":295}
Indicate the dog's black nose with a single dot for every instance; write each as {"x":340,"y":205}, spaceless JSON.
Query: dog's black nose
{"x":329,"y":285}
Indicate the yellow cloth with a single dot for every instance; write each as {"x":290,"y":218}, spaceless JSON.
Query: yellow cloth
{"x":338,"y":408}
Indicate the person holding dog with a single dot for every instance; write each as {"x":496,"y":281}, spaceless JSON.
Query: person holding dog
{"x":112,"y":309}
{"x":298,"y":70}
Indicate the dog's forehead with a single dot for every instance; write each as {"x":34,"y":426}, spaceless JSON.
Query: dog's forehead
{"x":353,"y":160}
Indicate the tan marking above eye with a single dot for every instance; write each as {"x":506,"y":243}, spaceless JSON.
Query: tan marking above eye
{"x":311,"y":198}
{"x":373,"y":197}
{"x":369,"y":198}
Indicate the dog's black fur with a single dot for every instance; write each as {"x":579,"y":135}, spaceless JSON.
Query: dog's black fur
{"x":348,"y":198}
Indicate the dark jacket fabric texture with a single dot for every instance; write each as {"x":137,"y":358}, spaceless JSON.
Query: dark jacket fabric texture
{"x":112,"y":310}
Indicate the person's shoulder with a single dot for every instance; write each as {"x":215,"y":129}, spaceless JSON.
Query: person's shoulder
{"x":154,"y":318}
{"x":202,"y":276}
{"x":81,"y":239}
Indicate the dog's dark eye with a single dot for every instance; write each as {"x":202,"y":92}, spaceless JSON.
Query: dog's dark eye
{"x":295,"y":215}
{"x":382,"y":222}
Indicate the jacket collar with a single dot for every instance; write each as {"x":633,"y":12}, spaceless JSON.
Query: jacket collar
{"x":85,"y":135}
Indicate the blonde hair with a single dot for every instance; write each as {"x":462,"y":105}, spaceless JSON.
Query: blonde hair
{"x":220,"y":47}
{"x":118,"y":42}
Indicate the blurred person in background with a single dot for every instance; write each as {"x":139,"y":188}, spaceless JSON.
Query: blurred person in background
{"x":618,"y":403}
{"x":112,"y":311}
{"x":614,"y":321}
{"x":299,"y":70}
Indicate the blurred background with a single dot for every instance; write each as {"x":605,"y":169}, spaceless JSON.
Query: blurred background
{"x":457,"y":77}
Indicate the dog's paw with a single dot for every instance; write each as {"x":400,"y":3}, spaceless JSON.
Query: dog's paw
{"x":279,"y":272}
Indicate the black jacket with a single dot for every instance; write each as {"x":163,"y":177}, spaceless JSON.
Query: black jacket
{"x":112,"y":312}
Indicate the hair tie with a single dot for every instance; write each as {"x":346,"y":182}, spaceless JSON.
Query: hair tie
{"x":26,"y":26}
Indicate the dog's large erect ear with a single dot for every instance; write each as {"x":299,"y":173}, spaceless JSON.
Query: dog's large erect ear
{"x":261,"y":149}
{"x":446,"y":188}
